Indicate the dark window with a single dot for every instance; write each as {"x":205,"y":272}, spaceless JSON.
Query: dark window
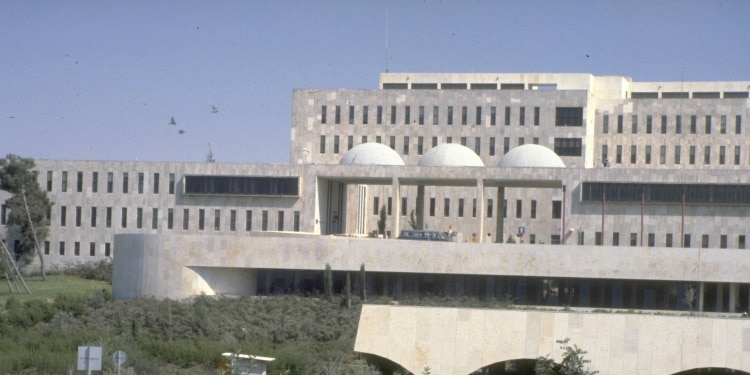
{"x":619,"y":124}
{"x":633,"y":154}
{"x":648,"y":154}
{"x":493,"y":116}
{"x":242,"y":185}
{"x":351,"y":114}
{"x":736,"y":155}
{"x":139,"y":218}
{"x":737,"y":129}
{"x":375,"y":205}
{"x":707,"y":155}
{"x":678,"y":124}
{"x":63,"y":215}
{"x":92,"y":249}
{"x":522,"y":116}
{"x":492,"y":146}
{"x":64,"y":182}
{"x":569,"y":116}
{"x":77,"y":248}
{"x":108,"y":218}
{"x":420,"y":145}
{"x":507,"y":116}
{"x":598,"y":238}
{"x":651,"y":240}
{"x":618,"y":156}
{"x":49,"y":180}
{"x":404,"y":208}
{"x":323,"y":114}
{"x":141,"y":181}
{"x":154,"y":218}
{"x":365,"y":112}
{"x":722,"y":154}
{"x":633,"y":239}
{"x":708,"y":124}
{"x":686,"y":241}
{"x":124,"y":218}
{"x":474,"y":207}
{"x":280,"y":221}
{"x":634,"y":124}
{"x":78,"y":216}
{"x":46,"y":247}
{"x":478,"y":145}
{"x":217,"y":220}
{"x":464,"y":115}
{"x":248,"y":220}
{"x":506,"y":145}
{"x":125,"y":183}
{"x":668,"y":240}
{"x":79,"y":182}
{"x":568,"y":146}
{"x":337,"y":118}
{"x":407,"y":115}
{"x":478,"y":120}
{"x":556,"y":209}
{"x":185,"y":219}
{"x":519,"y":208}
{"x":232,"y":220}
{"x":536,"y":116}
{"x":723,"y":125}
{"x":649,"y":124}
{"x":432,"y":206}
{"x":677,"y":152}
{"x":156,"y":183}
{"x":170,"y":218}
{"x":489,"y":208}
{"x":616,"y":239}
{"x":450,"y":115}
{"x":264,"y":220}
{"x":741,"y":241}
{"x":533,"y":209}
{"x":693,"y":124}
{"x":393,"y":115}
{"x":107,"y":249}
{"x":322,"y":144}
{"x":460,"y":207}
{"x":392,"y":141}
{"x":94,"y":182}
{"x":704,"y":241}
{"x":421,"y":115}
{"x":663,"y":124}
{"x":336,"y":144}
{"x":446,"y":207}
{"x":723,"y":241}
{"x":605,"y":124}
{"x":435,"y":115}
{"x":379,"y":115}
{"x":201,"y":219}
{"x":406,"y":145}
{"x":296,"y":221}
{"x":62,"y":248}
{"x":692,"y":155}
{"x":171,"y":183}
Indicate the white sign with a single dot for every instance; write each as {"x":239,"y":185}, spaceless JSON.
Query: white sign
{"x":119,"y":357}
{"x":90,"y":358}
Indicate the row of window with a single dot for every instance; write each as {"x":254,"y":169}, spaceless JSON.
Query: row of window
{"x":564,"y":116}
{"x":670,"y":240}
{"x":663,"y":127}
{"x":462,"y":207}
{"x":665,"y":193}
{"x":77,"y":248}
{"x":242,"y":185}
{"x":723,"y":157}
{"x":110,"y":183}
{"x":170,"y":220}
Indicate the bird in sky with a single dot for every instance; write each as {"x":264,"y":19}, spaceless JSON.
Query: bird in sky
{"x":214,"y":109}
{"x":180,"y":131}
{"x":172,"y":122}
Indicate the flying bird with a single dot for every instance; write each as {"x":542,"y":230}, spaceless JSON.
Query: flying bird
{"x":172,"y":122}
{"x":180,"y":131}
{"x":214,"y":109}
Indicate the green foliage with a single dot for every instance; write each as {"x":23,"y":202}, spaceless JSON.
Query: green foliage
{"x":381,"y":221}
{"x":100,"y":270}
{"x":17,"y":176}
{"x":510,"y":239}
{"x":328,"y":282}
{"x":412,"y":220}
{"x":573,"y":362}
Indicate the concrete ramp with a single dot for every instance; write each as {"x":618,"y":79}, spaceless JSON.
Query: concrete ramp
{"x":460,"y":341}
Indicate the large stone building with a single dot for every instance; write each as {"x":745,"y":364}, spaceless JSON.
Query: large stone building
{"x":641,"y":183}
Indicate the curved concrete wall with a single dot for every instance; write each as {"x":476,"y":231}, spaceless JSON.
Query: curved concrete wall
{"x":459,"y":341}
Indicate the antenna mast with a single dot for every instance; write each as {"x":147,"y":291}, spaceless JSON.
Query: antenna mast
{"x":386,"y":39}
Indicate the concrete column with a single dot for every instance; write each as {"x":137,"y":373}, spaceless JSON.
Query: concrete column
{"x":701,"y":292}
{"x":396,"y":231}
{"x":419,"y":210}
{"x":296,"y":281}
{"x":500,"y":221}
{"x":480,"y":199}
{"x":489,"y":286}
{"x":719,"y":297}
{"x":399,"y":288}
{"x":733,"y":294}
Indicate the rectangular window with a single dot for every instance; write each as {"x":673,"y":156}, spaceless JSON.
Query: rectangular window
{"x":605,"y":124}
{"x":651,"y":240}
{"x":379,"y":115}
{"x":95,"y":182}
{"x":78,"y":216}
{"x":108,"y":218}
{"x":107,"y":249}
{"x":154,"y":218}
{"x":450,"y":115}
{"x":248,"y":220}
{"x":217,"y":220}
{"x":704,"y":241}
{"x":375,"y":205}
{"x":707,"y":155}
{"x":506,"y":145}
{"x":598,"y":238}
{"x":722,"y":155}
{"x":421,"y":115}
{"x":337,"y":118}
{"x":616,"y":239}
{"x":605,"y":155}
{"x":92,"y":249}
{"x":406,"y":145}
{"x":618,"y":155}
{"x":141,"y":179}
{"x":446,"y":207}
{"x":489,"y":208}
{"x":464,"y":115}
{"x":264,"y":220}
{"x":568,"y":146}
{"x":434,"y":141}
{"x":708,"y":124}
{"x":393,"y":115}
{"x":201,"y":219}
{"x":677,"y":150}
{"x":663,"y":124}
{"x":519,"y":208}
{"x":392,"y":141}
{"x":365,"y":111}
{"x":536,"y":116}
{"x":569,"y":116}
{"x":634,"y":124}
{"x":737,"y":129}
{"x":556,"y":209}
{"x":521,"y":141}
{"x":124,"y":218}
{"x":62,"y":248}
{"x":723,"y":241}
{"x":662,"y":154}
{"x":296,"y":221}
{"x":170,"y":218}
{"x":93,"y":217}
{"x":350,"y":142}
{"x":522,"y":116}
{"x":46,"y":247}
{"x":692,"y":155}
{"x":493,"y":115}
{"x":79,"y":182}
{"x":185,"y":219}
{"x":693,"y":124}
{"x":322,"y":144}
{"x":139,"y":218}
{"x":232,"y":220}
{"x":432,"y":206}
{"x":633,"y":239}
{"x":407,"y":115}
{"x":633,"y":154}
{"x":686,"y":241}
{"x":156,"y":183}
{"x":741,"y":241}
{"x":533,"y":209}
{"x":351,"y":115}
{"x":678,"y":124}
{"x":478,"y":145}
{"x":435,"y":115}
{"x":364,"y":139}
{"x":63,"y":215}
{"x":49,"y":180}
{"x":463,"y":141}
{"x":323,"y":114}
{"x":648,"y":154}
{"x":420,"y":145}
{"x":390,"y":205}
{"x":460,"y":207}
{"x":64,"y":182}
{"x":77,"y":248}
{"x":474,"y":207}
{"x":507,"y":116}
{"x":723,"y":126}
{"x":336,"y":144}
{"x":125,"y":183}
{"x":404,"y":208}
{"x":492,"y":146}
{"x":535,"y":140}
{"x":171,"y":183}
{"x":668,"y":240}
{"x":736,"y":155}
{"x":478,"y":120}
{"x":619,"y":124}
{"x":649,"y":124}
{"x":3,"y":214}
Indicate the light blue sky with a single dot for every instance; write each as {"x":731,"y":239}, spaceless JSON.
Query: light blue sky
{"x":100,"y":80}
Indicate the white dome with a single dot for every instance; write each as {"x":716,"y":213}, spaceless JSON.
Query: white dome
{"x":531,"y":156}
{"x":450,"y":155}
{"x":371,"y":153}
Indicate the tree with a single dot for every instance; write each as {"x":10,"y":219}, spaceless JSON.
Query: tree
{"x":572,"y":363}
{"x":328,"y":282}
{"x":412,"y":220}
{"x":381,"y":222}
{"x":28,"y":205}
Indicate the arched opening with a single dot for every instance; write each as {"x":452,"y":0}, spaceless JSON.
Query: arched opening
{"x":712,"y":371}
{"x":522,"y":366}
